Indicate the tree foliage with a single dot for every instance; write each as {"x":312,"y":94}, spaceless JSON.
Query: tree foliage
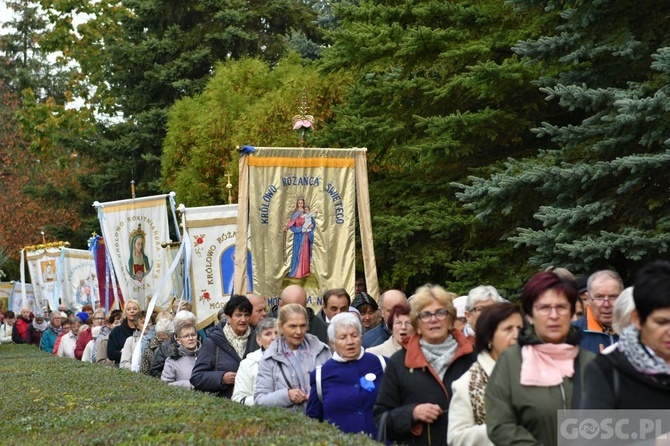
{"x":245,"y":102}
{"x":598,"y":192}
{"x":438,"y":95}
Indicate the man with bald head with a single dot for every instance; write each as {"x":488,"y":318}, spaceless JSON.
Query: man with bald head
{"x":21,"y":325}
{"x":295,"y":294}
{"x":382,"y":332}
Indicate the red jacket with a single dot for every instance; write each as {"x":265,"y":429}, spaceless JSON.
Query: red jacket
{"x":82,"y":342}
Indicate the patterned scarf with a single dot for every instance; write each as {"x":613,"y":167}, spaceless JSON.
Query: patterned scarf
{"x":642,"y":358}
{"x":239,"y":343}
{"x":478,"y":381}
{"x":439,"y":356}
{"x":39,"y":327}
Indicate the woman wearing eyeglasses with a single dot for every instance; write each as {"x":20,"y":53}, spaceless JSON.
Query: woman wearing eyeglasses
{"x":543,"y":373}
{"x":402,"y":330}
{"x":178,"y":367}
{"x":416,"y":389}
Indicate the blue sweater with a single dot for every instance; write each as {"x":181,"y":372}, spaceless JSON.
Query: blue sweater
{"x":345,"y":403}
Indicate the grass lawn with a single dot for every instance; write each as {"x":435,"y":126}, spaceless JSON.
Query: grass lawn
{"x":49,"y":400}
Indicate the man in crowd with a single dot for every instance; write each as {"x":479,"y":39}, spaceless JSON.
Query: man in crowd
{"x":21,"y":325}
{"x":335,"y":301}
{"x":368,"y":309}
{"x":259,"y":311}
{"x":382,"y":332}
{"x":603,"y":287}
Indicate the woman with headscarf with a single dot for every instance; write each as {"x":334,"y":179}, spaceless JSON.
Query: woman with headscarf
{"x":414,"y":396}
{"x":497,"y":328}
{"x":283,"y":373}
{"x":543,"y":373}
{"x":220,"y":356}
{"x":343,"y":391}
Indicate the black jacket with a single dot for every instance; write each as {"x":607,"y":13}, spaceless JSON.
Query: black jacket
{"x":408,"y":381}
{"x":117,"y":338}
{"x":635,"y":390}
{"x":215,"y":358}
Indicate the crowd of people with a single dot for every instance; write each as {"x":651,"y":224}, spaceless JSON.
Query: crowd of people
{"x":433,"y":368}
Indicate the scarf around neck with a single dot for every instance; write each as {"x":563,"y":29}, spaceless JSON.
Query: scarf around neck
{"x":39,"y":327}
{"x":239,"y":343}
{"x":641,"y":357}
{"x":55,"y":330}
{"x":338,"y":358}
{"x":439,"y":356}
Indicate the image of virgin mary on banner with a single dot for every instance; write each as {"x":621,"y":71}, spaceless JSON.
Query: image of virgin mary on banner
{"x":134,"y":232}
{"x":302,"y":218}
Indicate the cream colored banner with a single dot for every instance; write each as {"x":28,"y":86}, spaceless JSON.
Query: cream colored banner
{"x":134,"y":231}
{"x":17,"y":299}
{"x":42,"y":267}
{"x":5,"y":295}
{"x":212,"y":230}
{"x":302,"y":208}
{"x":77,"y":279}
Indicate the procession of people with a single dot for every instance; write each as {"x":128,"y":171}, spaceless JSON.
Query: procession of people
{"x":401,"y":369}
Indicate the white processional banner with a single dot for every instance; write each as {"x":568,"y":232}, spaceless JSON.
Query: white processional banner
{"x":134,"y":231}
{"x":17,"y":299}
{"x":43,"y":269}
{"x":212,"y":230}
{"x":77,"y":279}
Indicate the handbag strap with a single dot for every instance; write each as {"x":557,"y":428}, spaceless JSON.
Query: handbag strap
{"x":381,"y":429}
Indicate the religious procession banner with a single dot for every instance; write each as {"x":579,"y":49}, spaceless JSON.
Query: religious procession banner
{"x":5,"y":294}
{"x":134,"y":231}
{"x":213,"y":231}
{"x":19,"y":299}
{"x":42,"y":267}
{"x":300,"y":206}
{"x":77,"y":279}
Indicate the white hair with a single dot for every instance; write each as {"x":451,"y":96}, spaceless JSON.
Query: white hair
{"x":623,"y":307}
{"x":343,"y":320}
{"x":183,"y":316}
{"x":164,"y":326}
{"x":482,"y":293}
{"x":603,"y":273}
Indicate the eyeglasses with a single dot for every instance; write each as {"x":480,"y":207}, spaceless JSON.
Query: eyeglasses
{"x":440,"y":315}
{"x":98,"y":318}
{"x":189,"y":336}
{"x":545,"y":310}
{"x":403,"y":323}
{"x":476,"y":310}
{"x":601,"y":299}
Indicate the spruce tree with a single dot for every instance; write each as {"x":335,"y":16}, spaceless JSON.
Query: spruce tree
{"x":596,"y":195}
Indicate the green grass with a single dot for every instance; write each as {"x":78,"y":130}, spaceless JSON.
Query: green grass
{"x":44,"y":399}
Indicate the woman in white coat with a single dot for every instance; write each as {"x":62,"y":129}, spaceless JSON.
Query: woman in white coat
{"x":497,"y":328}
{"x":245,"y":381}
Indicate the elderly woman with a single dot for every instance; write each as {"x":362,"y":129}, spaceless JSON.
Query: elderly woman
{"x":636,"y":375}
{"x":245,"y":382}
{"x":535,"y":378}
{"x":343,"y":391}
{"x":401,"y":331}
{"x":118,"y":335}
{"x":113,"y":320}
{"x":163,"y":331}
{"x":497,"y":329}
{"x":35,"y":330}
{"x":96,"y":320}
{"x":415,"y":393}
{"x":228,"y":344}
{"x":283,"y":373}
{"x":178,"y":367}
